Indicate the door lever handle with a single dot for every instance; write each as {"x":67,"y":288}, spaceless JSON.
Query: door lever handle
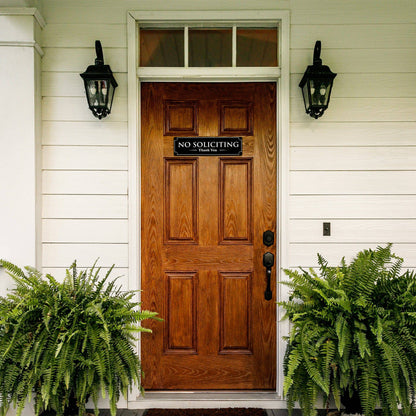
{"x":268,"y":262}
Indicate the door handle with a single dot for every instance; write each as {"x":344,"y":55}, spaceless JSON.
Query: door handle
{"x":268,"y":262}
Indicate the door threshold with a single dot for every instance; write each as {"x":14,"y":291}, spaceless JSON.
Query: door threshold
{"x":208,"y":399}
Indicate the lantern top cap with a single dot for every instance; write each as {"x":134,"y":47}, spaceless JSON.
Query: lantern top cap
{"x":99,"y":70}
{"x":317,"y":70}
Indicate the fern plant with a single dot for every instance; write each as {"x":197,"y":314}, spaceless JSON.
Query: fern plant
{"x":65,"y":342}
{"x":353,"y":335}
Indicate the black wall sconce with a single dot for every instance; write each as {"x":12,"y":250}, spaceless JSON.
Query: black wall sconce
{"x":316,"y":85}
{"x":99,"y":85}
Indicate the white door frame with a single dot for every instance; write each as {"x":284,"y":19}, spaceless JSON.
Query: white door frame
{"x":281,"y":77}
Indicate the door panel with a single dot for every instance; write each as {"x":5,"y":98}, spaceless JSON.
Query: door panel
{"x":203,"y":220}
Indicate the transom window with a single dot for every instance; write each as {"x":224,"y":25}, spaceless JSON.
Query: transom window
{"x":207,"y":47}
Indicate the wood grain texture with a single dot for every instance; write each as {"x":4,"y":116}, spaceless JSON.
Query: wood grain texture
{"x":224,"y":347}
{"x":235,"y":313}
{"x":181,"y":201}
{"x":181,"y":332}
{"x":180,"y":117}
{"x":236,"y":118}
{"x":236,"y":201}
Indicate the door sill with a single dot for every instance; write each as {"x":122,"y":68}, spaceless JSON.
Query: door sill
{"x":208,"y":399}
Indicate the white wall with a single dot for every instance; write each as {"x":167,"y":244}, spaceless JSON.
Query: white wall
{"x":354,"y":167}
{"x":19,"y":138}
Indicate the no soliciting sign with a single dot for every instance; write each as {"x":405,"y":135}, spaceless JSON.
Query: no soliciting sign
{"x":208,"y":146}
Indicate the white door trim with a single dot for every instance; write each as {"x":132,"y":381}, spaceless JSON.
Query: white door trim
{"x":281,"y":77}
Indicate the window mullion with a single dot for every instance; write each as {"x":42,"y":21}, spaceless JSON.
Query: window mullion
{"x":234,"y":47}
{"x":186,"y":46}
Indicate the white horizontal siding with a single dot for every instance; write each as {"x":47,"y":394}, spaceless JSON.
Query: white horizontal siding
{"x":85,"y":206}
{"x":84,"y":182}
{"x":354,"y":167}
{"x":55,"y":255}
{"x":84,"y":35}
{"x":77,"y":59}
{"x":305,"y":255}
{"x":76,"y":109}
{"x":356,"y":60}
{"x":353,"y":134}
{"x":352,"y":183}
{"x":370,"y":231}
{"x":353,"y":12}
{"x":360,"y":109}
{"x":353,"y":85}
{"x":325,"y":207}
{"x":84,"y":158}
{"x":362,"y":36}
{"x":353,"y":158}
{"x":85,"y":231}
{"x":77,"y":133}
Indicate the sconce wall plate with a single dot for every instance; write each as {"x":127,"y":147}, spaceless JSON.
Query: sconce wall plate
{"x":316,"y":85}
{"x":99,"y":85}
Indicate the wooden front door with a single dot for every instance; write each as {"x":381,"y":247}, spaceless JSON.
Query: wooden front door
{"x":203,"y":219}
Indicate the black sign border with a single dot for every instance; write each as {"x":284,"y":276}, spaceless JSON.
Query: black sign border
{"x":192,"y":152}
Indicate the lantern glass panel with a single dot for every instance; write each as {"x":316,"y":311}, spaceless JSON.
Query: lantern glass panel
{"x":320,"y":90}
{"x":305,"y":92}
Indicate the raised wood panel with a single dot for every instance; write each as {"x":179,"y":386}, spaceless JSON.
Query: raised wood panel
{"x":84,"y":133}
{"x":236,"y":117}
{"x":84,"y":158}
{"x":209,"y":369}
{"x":353,"y":158}
{"x":84,"y":206}
{"x":354,"y":231}
{"x":360,"y":109}
{"x":355,"y":60}
{"x":236,"y":201}
{"x":84,"y":35}
{"x":181,"y":201}
{"x":235,"y":313}
{"x":76,"y":109}
{"x":84,"y":182}
{"x":353,"y":36}
{"x":366,"y":85}
{"x":84,"y":231}
{"x":180,"y":117}
{"x":352,"y":134}
{"x":352,"y":206}
{"x":305,"y":255}
{"x":62,"y":255}
{"x":343,"y":183}
{"x":70,"y":84}
{"x":181,"y":313}
{"x":76,"y":60}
